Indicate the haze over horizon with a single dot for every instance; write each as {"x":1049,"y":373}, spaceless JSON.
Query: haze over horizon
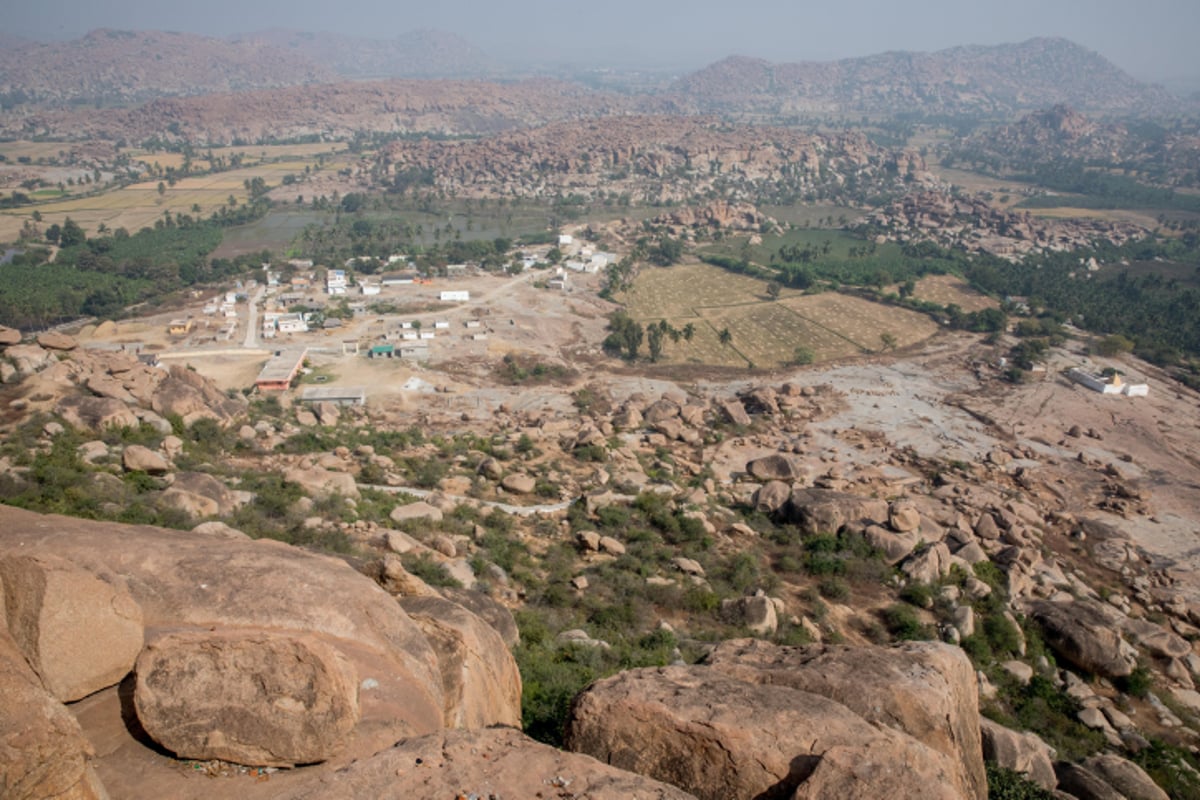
{"x":1152,"y":40}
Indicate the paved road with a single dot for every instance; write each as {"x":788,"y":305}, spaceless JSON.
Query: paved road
{"x":521,"y":511}
{"x":252,"y":325}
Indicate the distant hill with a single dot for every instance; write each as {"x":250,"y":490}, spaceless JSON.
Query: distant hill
{"x":118,"y":67}
{"x":995,"y":80}
{"x":416,"y":54}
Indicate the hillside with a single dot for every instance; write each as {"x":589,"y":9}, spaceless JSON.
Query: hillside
{"x":977,"y":80}
{"x":111,"y":66}
{"x":415,"y":54}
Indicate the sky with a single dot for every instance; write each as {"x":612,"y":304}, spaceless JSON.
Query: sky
{"x":1151,"y":39}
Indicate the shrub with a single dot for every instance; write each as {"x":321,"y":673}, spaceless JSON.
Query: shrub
{"x":428,"y":570}
{"x":918,"y":594}
{"x":1005,"y":784}
{"x":834,"y":589}
{"x":902,"y":622}
{"x":1137,"y":683}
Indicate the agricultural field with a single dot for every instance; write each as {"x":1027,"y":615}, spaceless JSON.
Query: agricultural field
{"x":138,"y":205}
{"x":763,"y":333}
{"x":947,"y":289}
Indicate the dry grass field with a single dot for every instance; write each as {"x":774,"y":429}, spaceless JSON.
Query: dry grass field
{"x":947,"y":289}
{"x":139,"y":205}
{"x":763,"y":333}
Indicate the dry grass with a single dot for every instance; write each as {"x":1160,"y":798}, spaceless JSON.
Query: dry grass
{"x":763,"y":333}
{"x":947,"y":289}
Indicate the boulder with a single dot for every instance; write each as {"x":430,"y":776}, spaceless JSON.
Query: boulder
{"x":1086,"y":634}
{"x":491,"y":763}
{"x":480,"y":682}
{"x":96,"y":413}
{"x":188,"y":581}
{"x":43,"y":751}
{"x":137,"y":458}
{"x":78,"y":632}
{"x":719,"y":737}
{"x":491,"y":468}
{"x":219,"y":530}
{"x":1126,"y":777}
{"x":875,"y":770}
{"x":192,"y":397}
{"x":924,"y":689}
{"x":9,"y":336}
{"x":903,"y":517}
{"x":756,"y":613}
{"x":828,"y":511}
{"x":771,"y":497}
{"x":929,"y":565}
{"x":1081,"y":783}
{"x":775,"y":467}
{"x":1022,"y":752}
{"x":259,"y":698}
{"x":735,"y":412}
{"x":895,"y":546}
{"x":1158,"y":641}
{"x":195,"y":506}
{"x":205,"y":486}
{"x":328,"y":414}
{"x":519,"y":484}
{"x":53,"y":340}
{"x":318,"y":482}
{"x":418,"y":510}
{"x":28,"y":358}
{"x":659,"y":411}
{"x":487,"y":609}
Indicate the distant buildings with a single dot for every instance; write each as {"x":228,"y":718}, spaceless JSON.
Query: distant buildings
{"x":1108,"y":384}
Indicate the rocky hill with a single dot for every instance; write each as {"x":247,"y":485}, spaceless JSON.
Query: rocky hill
{"x":416,"y":54}
{"x":120,"y":67}
{"x":991,"y":81}
{"x":654,"y":158}
{"x":336,"y":110}
{"x":1162,"y":155}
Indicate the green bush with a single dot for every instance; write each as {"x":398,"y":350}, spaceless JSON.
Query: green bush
{"x":1175,"y":770}
{"x":902,"y":622}
{"x":833,"y":588}
{"x":1005,"y":784}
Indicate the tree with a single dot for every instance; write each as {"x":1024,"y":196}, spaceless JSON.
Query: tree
{"x":162,"y":188}
{"x":774,"y":288}
{"x":888,"y":340}
{"x":725,"y":337}
{"x":71,"y":234}
{"x":654,"y":341}
{"x":689,"y":331}
{"x":1108,"y":346}
{"x":802,"y":356}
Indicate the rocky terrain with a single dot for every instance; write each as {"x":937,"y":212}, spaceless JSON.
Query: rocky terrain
{"x":974,"y":225}
{"x":654,"y":158}
{"x":906,"y":541}
{"x":1059,"y":134}
{"x":1000,"y":80}
{"x":333,"y":110}
{"x":121,"y":67}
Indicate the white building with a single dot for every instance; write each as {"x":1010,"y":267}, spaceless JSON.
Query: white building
{"x":565,"y":239}
{"x":336,"y":281}
{"x":292,"y":323}
{"x":370,"y":289}
{"x":1112,"y":385}
{"x":441,"y":323}
{"x":456,"y":296}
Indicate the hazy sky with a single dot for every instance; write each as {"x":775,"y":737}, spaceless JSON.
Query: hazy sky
{"x":1152,"y":39}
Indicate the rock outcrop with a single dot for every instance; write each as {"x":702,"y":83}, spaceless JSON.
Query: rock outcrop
{"x":492,"y":763}
{"x":742,"y":728}
{"x":78,"y":632}
{"x":249,"y":697}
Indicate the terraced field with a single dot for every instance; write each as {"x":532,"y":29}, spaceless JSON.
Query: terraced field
{"x":764,"y":333}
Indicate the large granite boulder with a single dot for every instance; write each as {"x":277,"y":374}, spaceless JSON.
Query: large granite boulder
{"x":248,"y":697}
{"x":923,"y":689}
{"x":1086,"y":634}
{"x":43,"y":751}
{"x":1019,"y":751}
{"x":187,"y":581}
{"x":828,"y":511}
{"x":491,"y":763}
{"x":719,"y":736}
{"x":78,"y":633}
{"x":481,"y":685}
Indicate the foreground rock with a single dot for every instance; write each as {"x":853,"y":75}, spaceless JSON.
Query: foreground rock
{"x":922,"y":689}
{"x":733,"y":731}
{"x":43,"y":752}
{"x":1022,"y":752}
{"x":480,"y":681}
{"x":247,"y":697}
{"x":195,"y":582}
{"x":79,"y":633}
{"x":493,"y":763}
